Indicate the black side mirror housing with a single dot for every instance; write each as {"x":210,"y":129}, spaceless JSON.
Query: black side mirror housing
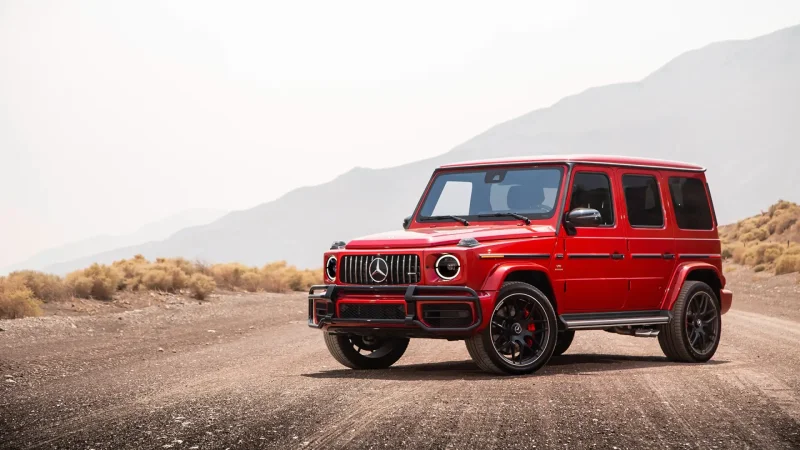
{"x":406,"y":222}
{"x":582,"y":217}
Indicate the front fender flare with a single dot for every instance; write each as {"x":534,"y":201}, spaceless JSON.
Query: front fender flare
{"x":498,"y":274}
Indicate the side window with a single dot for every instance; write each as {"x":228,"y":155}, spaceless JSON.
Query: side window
{"x":689,"y":198}
{"x":643,"y":199}
{"x":593,"y":190}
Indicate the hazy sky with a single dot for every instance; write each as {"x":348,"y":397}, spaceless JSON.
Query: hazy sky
{"x":114,"y":114}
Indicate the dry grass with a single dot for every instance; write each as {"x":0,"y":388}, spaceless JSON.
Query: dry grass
{"x":16,"y":299}
{"x":768,"y":241}
{"x":22,"y":292}
{"x":201,"y":286}
{"x":96,"y":281}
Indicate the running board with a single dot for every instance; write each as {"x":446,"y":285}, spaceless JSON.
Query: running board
{"x":599,"y":321}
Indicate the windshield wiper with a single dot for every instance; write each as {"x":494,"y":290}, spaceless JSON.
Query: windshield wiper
{"x":456,"y":218}
{"x":508,"y":214}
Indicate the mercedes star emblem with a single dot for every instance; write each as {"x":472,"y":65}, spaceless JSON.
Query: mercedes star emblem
{"x":378,"y":270}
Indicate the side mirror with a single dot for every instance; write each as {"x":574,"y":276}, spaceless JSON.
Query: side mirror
{"x":582,"y":217}
{"x":406,"y":222}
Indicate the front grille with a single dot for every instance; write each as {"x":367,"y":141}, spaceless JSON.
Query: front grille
{"x":372,"y":311}
{"x":402,"y":269}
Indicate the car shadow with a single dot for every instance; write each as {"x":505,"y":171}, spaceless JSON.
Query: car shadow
{"x":575,"y":364}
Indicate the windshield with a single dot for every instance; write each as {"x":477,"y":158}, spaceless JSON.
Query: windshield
{"x":531,"y":192}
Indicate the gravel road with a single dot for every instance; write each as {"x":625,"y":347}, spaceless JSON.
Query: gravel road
{"x":245,"y":372}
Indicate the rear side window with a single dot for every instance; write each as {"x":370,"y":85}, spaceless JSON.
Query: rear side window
{"x":643,"y":199}
{"x":689,"y":198}
{"x":593,"y":190}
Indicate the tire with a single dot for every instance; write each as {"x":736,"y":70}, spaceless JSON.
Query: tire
{"x":564,"y":341}
{"x":694,"y":332}
{"x":523,"y":322}
{"x":378,"y":353}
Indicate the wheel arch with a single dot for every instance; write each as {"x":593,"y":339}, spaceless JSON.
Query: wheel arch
{"x":534,"y":274}
{"x":694,"y":271}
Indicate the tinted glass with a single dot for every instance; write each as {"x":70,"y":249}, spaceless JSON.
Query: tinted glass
{"x":531,"y":192}
{"x":593,"y":190}
{"x":692,"y":210}
{"x":643,"y":199}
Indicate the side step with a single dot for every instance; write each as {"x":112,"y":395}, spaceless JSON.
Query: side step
{"x":599,"y":321}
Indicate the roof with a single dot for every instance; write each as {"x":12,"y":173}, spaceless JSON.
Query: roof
{"x":603,"y":160}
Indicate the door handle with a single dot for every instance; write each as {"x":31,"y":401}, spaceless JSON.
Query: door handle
{"x":668,"y":256}
{"x":617,"y":256}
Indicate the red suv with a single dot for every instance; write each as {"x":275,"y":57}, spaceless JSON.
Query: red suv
{"x":513,"y":256}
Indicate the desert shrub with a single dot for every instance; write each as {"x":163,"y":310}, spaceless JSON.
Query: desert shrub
{"x":164,"y":276}
{"x":201,"y":286}
{"x":96,"y":281}
{"x":793,"y":250}
{"x":132,"y":271}
{"x":229,"y":276}
{"x":17,"y":300}
{"x":763,"y":253}
{"x":757,"y":234}
{"x":759,"y":268}
{"x":251,"y":281}
{"x":787,"y":264}
{"x":275,"y":277}
{"x":739,"y":253}
{"x":45,"y":287}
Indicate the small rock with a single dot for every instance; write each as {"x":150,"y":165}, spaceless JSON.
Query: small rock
{"x":8,"y":376}
{"x":120,"y":318}
{"x":160,"y":349}
{"x":212,"y":331}
{"x":73,"y":325}
{"x":9,"y":380}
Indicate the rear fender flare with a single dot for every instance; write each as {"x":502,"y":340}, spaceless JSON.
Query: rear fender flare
{"x":679,"y":277}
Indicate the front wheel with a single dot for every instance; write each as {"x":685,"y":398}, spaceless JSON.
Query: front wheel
{"x":564,"y":341}
{"x":694,"y":332}
{"x":521,"y":335}
{"x":365,"y":352}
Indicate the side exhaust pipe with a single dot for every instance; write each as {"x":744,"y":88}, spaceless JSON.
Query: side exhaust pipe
{"x":638,"y":331}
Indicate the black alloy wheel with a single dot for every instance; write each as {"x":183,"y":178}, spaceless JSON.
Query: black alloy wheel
{"x":694,"y":332}
{"x":521,"y":335}
{"x":365,"y":352}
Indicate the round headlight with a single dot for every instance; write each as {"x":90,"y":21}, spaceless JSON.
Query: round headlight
{"x":447,"y":267}
{"x":330,"y":268}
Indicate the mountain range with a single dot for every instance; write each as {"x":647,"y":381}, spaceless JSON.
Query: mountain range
{"x":731,"y":106}
{"x":155,"y":231}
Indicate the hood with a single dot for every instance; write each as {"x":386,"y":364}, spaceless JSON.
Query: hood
{"x":433,"y":237}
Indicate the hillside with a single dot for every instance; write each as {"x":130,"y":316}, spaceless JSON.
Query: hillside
{"x":154,"y":231}
{"x":730,"y":106}
{"x":767,"y":241}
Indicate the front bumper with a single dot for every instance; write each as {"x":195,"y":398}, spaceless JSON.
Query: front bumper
{"x":411,"y":296}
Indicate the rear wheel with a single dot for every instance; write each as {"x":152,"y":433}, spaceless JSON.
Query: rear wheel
{"x":521,"y":335}
{"x":693,"y":333}
{"x":365,"y":352}
{"x":564,"y":341}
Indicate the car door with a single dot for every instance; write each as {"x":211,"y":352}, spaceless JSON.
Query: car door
{"x":592,"y":265}
{"x":651,"y":246}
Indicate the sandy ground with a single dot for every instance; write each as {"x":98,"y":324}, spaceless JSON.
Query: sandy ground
{"x":245,"y":372}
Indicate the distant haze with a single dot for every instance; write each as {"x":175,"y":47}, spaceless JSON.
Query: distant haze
{"x":115,"y":114}
{"x":730,"y":106}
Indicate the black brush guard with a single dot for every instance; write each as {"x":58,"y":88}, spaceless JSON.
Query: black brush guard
{"x":412,"y":294}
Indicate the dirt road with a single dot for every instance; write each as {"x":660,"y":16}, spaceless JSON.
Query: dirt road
{"x":246,"y":372}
